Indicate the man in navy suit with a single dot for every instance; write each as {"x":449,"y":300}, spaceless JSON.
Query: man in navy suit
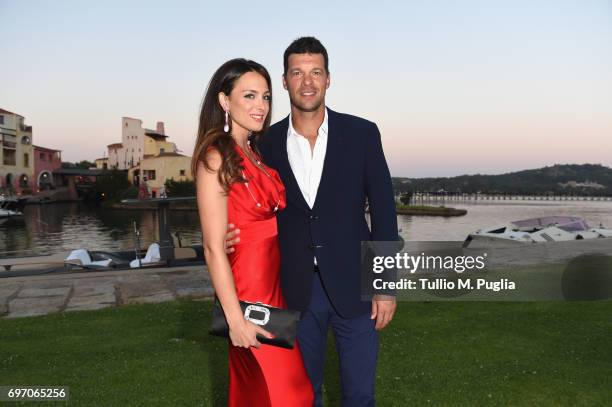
{"x":330,"y":164}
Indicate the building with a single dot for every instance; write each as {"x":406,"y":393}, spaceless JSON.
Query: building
{"x":147,"y":155}
{"x":136,"y":142}
{"x":585,"y":184}
{"x":157,"y":169}
{"x":77,"y":182}
{"x":46,"y":162}
{"x":16,"y":153}
{"x":102,"y":163}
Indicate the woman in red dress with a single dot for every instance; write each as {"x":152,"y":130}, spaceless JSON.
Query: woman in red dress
{"x":234,"y":186}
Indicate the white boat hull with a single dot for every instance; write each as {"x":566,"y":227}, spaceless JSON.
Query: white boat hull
{"x":534,"y":231}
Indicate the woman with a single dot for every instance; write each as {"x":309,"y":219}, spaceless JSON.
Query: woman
{"x":234,"y":186}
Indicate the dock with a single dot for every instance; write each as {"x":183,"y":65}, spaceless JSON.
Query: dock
{"x":32,"y":295}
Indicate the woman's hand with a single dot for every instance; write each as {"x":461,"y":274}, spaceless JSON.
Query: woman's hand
{"x":243,"y":334}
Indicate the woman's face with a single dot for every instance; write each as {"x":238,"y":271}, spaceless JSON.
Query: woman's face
{"x":248,"y":103}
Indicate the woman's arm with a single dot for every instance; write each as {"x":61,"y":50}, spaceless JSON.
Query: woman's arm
{"x":212,"y":207}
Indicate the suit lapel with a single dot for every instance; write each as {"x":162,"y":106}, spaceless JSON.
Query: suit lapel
{"x":333,"y":153}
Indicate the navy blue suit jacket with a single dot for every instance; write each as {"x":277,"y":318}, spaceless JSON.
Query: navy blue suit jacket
{"x":354,"y":168}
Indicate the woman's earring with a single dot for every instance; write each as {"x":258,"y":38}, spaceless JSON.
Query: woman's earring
{"x":226,"y":127}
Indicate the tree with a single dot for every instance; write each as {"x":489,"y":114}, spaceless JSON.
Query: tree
{"x":111,"y":184}
{"x":85,"y":164}
{"x":179,"y":188}
{"x":406,"y":198}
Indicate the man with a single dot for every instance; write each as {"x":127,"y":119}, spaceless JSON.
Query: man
{"x":330,"y":163}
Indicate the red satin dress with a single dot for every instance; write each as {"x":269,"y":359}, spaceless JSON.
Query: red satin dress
{"x":268,"y":376}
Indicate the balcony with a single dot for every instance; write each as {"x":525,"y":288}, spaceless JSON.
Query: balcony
{"x":9,"y":141}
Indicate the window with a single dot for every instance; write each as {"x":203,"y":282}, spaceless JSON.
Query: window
{"x":149,"y":174}
{"x":26,"y":160}
{"x":43,"y":157}
{"x":9,"y":157}
{"x":182,"y":173}
{"x":1,"y":119}
{"x":162,"y":150}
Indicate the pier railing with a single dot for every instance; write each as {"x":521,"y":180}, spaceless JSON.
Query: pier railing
{"x":441,"y":198}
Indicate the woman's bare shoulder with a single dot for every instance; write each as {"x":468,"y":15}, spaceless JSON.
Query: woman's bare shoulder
{"x":212,"y":160}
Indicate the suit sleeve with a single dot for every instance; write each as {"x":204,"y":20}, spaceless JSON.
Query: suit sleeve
{"x":379,"y":190}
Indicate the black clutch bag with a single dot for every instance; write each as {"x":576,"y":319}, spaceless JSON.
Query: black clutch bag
{"x":282,"y":323}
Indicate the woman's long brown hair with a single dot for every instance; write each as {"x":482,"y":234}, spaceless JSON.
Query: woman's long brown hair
{"x":212,"y":120}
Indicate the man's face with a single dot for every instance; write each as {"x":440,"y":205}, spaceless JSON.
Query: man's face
{"x":306,"y":80}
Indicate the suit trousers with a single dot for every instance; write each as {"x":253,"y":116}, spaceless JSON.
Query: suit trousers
{"x":356,"y":343}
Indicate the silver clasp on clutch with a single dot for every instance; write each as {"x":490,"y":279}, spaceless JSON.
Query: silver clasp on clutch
{"x":257,"y":308}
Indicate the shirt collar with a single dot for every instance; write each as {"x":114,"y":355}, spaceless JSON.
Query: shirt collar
{"x":322,"y":130}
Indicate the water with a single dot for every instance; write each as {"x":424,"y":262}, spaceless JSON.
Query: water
{"x":56,"y":228}
{"x":497,"y":213}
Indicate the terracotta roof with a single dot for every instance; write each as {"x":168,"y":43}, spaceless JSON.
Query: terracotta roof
{"x":154,"y":134}
{"x":7,"y":112}
{"x":79,"y":171}
{"x":45,"y":148}
{"x":170,"y":154}
{"x":115,"y":145}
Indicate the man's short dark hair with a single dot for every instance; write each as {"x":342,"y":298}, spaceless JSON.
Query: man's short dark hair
{"x":305,"y":45}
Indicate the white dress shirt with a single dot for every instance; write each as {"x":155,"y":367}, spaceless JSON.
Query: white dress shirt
{"x":307,"y":165}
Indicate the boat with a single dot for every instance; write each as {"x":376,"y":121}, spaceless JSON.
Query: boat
{"x":82,"y":260}
{"x":548,"y":229}
{"x":11,"y":207}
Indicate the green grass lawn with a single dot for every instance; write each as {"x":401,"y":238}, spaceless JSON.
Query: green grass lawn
{"x":438,"y":354}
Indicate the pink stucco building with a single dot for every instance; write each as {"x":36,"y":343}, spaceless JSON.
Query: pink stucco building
{"x":46,"y":161}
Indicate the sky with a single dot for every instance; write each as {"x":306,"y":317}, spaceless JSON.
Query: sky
{"x":455,"y":87}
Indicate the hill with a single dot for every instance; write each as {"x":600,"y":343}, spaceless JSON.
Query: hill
{"x":560,"y":179}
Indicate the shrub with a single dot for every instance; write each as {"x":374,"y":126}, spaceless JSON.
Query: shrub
{"x":111,"y":184}
{"x":179,"y":188}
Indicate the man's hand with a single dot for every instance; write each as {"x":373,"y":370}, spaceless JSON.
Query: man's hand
{"x":231,"y":238}
{"x":383,"y":308}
